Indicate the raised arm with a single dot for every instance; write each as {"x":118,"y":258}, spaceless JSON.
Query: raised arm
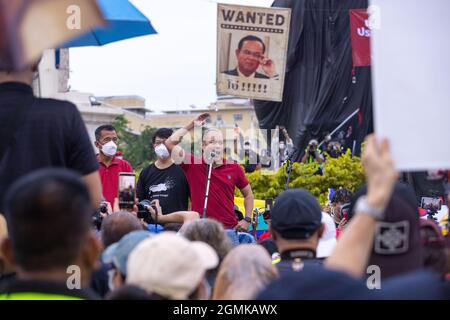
{"x":176,"y":137}
{"x":183,"y":217}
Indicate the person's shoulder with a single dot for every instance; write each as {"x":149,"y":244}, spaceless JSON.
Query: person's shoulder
{"x":261,"y":76}
{"x":148,"y":168}
{"x":175,"y":167}
{"x":124,"y":163}
{"x":234,"y":164}
{"x":190,"y":159}
{"x":308,"y":283}
{"x":146,"y":172}
{"x":423,"y":284}
{"x":232,"y":72}
{"x":56,"y":105}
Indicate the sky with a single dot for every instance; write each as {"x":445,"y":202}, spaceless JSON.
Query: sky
{"x":174,"y":69}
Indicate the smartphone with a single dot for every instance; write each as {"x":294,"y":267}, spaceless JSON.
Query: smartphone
{"x":127,"y":190}
{"x":432,"y":204}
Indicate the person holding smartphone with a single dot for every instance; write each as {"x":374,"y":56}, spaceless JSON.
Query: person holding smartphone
{"x":225,"y":177}
{"x":106,"y":140}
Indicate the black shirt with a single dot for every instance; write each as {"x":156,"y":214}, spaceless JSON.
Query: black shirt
{"x":169,"y":186}
{"x":296,"y":260}
{"x":251,"y":161}
{"x":51,"y":133}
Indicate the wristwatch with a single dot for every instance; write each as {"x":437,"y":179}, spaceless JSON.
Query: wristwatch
{"x":362,"y":206}
{"x":248,"y":219}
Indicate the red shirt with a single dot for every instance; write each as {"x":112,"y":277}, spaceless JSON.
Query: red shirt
{"x":224,"y":179}
{"x":110,"y":177}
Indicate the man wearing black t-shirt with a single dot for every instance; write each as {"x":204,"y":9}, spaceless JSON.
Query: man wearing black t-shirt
{"x":164,"y":180}
{"x":38,"y":133}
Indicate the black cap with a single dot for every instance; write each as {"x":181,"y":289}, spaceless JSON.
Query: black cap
{"x":296,"y":214}
{"x":397,"y":247}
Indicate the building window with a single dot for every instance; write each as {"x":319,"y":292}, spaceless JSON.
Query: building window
{"x":237,"y":117}
{"x":219,"y":122}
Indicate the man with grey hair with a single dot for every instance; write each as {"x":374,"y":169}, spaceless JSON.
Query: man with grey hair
{"x":226,"y":176}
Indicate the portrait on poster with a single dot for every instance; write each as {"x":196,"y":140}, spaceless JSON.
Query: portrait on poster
{"x":251,"y":51}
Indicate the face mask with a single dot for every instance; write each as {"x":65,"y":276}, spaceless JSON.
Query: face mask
{"x":161,"y":151}
{"x":109,"y":149}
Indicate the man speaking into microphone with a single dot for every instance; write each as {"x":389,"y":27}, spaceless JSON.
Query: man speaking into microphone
{"x":225,"y":177}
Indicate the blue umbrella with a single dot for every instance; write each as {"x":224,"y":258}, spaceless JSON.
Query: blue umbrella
{"x":124,"y":21}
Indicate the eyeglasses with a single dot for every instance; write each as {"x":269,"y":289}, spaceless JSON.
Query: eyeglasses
{"x":256,"y":55}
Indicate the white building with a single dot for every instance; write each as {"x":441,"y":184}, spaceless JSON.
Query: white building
{"x":52,"y":82}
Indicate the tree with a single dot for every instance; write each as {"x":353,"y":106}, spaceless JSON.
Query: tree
{"x":137,"y":149}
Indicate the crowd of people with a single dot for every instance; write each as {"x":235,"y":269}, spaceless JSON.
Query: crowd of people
{"x":65,"y":235}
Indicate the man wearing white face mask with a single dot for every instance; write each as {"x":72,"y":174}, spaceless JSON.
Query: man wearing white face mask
{"x":110,"y":166}
{"x":164,"y":180}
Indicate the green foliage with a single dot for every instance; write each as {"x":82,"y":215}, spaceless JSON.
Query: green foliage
{"x":345,"y":171}
{"x":137,"y":149}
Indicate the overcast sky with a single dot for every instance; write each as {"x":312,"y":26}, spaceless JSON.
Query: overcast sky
{"x":172,"y":69}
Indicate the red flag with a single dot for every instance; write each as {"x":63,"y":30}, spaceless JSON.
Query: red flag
{"x":360,"y":33}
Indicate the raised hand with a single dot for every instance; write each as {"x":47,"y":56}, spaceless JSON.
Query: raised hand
{"x":199,"y":121}
{"x":380,"y":172}
{"x":268,"y":66}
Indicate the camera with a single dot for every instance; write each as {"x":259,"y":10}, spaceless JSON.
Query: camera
{"x":104,"y":207}
{"x":97,"y":217}
{"x":144,"y":211}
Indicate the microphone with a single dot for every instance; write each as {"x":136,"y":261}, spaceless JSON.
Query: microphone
{"x":291,"y":154}
{"x":210,"y":157}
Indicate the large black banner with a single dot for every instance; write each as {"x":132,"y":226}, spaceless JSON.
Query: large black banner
{"x":321,"y":87}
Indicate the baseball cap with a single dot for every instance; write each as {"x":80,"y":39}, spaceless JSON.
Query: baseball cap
{"x":118,"y":253}
{"x":170,"y":265}
{"x":328,"y":240}
{"x":397,"y":247}
{"x":296,"y":214}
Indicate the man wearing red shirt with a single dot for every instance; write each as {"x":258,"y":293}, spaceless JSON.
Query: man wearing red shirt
{"x":225,"y":176}
{"x":110,"y":165}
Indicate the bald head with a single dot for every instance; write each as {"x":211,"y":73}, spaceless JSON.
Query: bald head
{"x":118,"y":224}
